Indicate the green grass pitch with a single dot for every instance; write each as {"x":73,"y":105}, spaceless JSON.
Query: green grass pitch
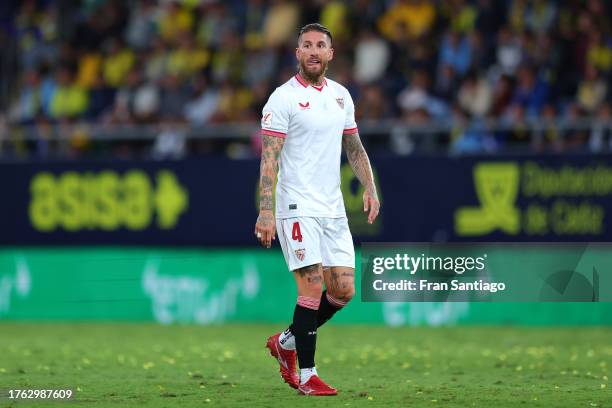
{"x":136,"y":365}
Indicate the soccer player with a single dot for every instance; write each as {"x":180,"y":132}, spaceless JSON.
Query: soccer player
{"x":305,"y":124}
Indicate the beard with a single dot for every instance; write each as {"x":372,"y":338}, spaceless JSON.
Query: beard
{"x":313,"y":75}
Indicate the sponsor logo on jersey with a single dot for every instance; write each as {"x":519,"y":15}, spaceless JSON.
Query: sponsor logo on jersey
{"x":293,"y":206}
{"x":340,"y":102}
{"x":266,"y":120}
{"x":300,"y":253}
{"x":304,"y":105}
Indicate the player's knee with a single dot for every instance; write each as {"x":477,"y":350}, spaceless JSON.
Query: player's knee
{"x":348,"y":294}
{"x":342,"y":296}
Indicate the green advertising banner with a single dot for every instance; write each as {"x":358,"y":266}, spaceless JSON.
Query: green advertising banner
{"x":205,"y":286}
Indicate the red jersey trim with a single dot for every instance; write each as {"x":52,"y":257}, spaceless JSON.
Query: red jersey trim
{"x":351,"y":131}
{"x":305,"y":84}
{"x":273,"y":133}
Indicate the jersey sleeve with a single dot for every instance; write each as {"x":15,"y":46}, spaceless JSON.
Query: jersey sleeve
{"x":350,"y":126}
{"x":275,"y":115}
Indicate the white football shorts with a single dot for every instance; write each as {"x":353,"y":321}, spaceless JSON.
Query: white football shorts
{"x":311,"y":240}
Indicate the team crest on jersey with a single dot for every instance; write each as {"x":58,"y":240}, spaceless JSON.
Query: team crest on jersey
{"x":266,"y":120}
{"x":340,"y":102}
{"x":300,"y":253}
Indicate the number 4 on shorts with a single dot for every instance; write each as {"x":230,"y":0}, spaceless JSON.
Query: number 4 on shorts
{"x":296,"y":234}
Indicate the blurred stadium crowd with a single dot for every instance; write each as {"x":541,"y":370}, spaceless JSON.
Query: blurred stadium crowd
{"x":201,"y":62}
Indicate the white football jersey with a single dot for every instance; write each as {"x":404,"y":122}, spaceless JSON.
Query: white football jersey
{"x":312,"y":120}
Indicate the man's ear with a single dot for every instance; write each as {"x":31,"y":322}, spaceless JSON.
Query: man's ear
{"x":297,"y":53}
{"x":331,"y":54}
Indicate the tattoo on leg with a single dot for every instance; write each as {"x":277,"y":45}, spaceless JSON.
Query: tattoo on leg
{"x":308,"y":270}
{"x":314,"y":279}
{"x":341,"y":285}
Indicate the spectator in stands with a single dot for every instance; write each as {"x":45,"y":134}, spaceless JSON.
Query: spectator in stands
{"x":141,"y":27}
{"x":203,"y":105}
{"x":334,"y":16}
{"x":101,"y":99}
{"x":70,"y":100}
{"x":261,"y":65}
{"x":36,"y":31}
{"x":216,"y":21}
{"x":373,"y":104}
{"x":531,"y":92}
{"x":418,"y":97}
{"x":138,"y":101}
{"x":599,"y":53}
{"x":174,"y":20}
{"x":447,"y":83}
{"x":601,"y":137}
{"x":117,"y":63}
{"x":502,"y":95}
{"x":461,"y":15}
{"x":475,"y":96}
{"x":509,"y":51}
{"x":174,"y":96}
{"x":415,"y":17}
{"x":592,"y":91}
{"x":456,"y":51}
{"x":539,"y":16}
{"x":157,"y":61}
{"x":372,"y":55}
{"x":280,"y":23}
{"x":27,"y":106}
{"x":187,"y":58}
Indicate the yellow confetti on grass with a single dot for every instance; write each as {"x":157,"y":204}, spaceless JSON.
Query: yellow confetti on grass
{"x":370,"y":398}
{"x":603,"y":386}
{"x":2,"y":370}
{"x":148,"y":365}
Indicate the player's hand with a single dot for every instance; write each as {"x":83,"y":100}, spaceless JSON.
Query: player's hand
{"x":371,"y":205}
{"x":265,"y":229}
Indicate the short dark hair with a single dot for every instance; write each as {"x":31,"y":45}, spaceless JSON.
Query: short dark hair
{"x":315,"y":27}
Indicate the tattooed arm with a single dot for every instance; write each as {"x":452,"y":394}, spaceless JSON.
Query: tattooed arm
{"x":265,"y":226}
{"x":360,"y":163}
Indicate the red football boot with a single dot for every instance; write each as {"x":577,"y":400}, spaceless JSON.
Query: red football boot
{"x":315,"y":386}
{"x":286,"y":359}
